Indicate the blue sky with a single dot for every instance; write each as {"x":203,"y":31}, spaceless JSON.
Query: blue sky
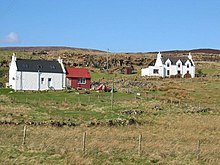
{"x":117,"y":25}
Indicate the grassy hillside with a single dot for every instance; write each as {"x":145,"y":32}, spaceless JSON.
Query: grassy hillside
{"x":179,"y":122}
{"x":177,"y":118}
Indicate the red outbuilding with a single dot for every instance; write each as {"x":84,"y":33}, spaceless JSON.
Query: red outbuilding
{"x":78,"y":78}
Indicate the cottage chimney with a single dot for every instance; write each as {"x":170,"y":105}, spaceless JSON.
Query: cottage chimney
{"x":60,"y":60}
{"x":13,"y":58}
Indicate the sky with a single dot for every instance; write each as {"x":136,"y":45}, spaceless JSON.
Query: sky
{"x":114,"y":25}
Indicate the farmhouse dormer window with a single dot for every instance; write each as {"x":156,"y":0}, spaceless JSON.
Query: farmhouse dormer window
{"x":187,"y":65}
{"x":178,"y":65}
{"x":168,"y":64}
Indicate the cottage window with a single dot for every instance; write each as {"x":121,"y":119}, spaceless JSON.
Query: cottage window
{"x":178,"y":65}
{"x":168,"y":72}
{"x":187,"y":71}
{"x":178,"y":72}
{"x":156,"y":71}
{"x":42,"y":80}
{"x":81,"y":81}
{"x":187,"y":65}
{"x":168,"y":64}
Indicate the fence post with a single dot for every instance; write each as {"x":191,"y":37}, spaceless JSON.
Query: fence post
{"x":198,"y":149}
{"x":139,"y":144}
{"x":24,"y":135}
{"x":84,"y":142}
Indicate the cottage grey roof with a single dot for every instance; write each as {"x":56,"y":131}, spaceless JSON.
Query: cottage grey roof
{"x":175,"y":59}
{"x":27,"y":65}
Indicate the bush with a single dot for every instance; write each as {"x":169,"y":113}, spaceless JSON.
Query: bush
{"x":187,"y":75}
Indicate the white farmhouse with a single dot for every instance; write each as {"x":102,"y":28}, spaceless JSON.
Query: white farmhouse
{"x":26,"y":74}
{"x":165,"y":66}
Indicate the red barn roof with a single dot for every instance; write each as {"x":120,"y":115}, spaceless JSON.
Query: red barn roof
{"x":77,"y":73}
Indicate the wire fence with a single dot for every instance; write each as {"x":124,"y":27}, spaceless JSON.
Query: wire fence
{"x":93,"y":140}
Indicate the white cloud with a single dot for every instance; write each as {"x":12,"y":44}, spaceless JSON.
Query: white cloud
{"x":11,"y":38}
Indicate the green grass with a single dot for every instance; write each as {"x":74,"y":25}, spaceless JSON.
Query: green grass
{"x":61,"y":105}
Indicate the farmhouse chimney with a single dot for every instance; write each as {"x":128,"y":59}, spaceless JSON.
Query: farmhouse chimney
{"x":158,"y":60}
{"x":190,"y":56}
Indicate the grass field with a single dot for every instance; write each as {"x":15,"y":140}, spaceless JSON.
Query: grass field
{"x":170,"y":133}
{"x":177,"y":118}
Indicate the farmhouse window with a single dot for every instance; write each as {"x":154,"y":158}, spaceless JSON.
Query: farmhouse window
{"x":168,"y":72}
{"x":168,"y":64}
{"x":81,"y":81}
{"x":178,"y":72}
{"x":156,"y":71}
{"x":187,"y":71}
{"x":187,"y":65}
{"x":178,"y":65}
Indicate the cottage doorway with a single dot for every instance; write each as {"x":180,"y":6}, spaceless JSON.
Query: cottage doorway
{"x":49,"y":82}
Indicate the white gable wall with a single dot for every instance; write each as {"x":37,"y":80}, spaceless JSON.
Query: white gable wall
{"x":12,"y":74}
{"x":190,"y":69}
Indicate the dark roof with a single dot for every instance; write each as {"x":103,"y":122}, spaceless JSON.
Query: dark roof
{"x":77,"y":73}
{"x":175,"y":59}
{"x":39,"y":65}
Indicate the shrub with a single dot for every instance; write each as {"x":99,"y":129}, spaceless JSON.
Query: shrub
{"x":187,"y":75}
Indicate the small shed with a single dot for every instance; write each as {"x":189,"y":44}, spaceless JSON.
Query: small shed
{"x":78,"y":78}
{"x":127,"y":70}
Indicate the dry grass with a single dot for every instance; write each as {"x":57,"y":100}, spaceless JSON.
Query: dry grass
{"x":166,"y":140}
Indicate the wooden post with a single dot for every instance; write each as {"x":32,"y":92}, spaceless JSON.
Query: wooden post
{"x":112,"y":97}
{"x":198,"y":149}
{"x":139,"y":144}
{"x":84,"y":142}
{"x":24,"y":135}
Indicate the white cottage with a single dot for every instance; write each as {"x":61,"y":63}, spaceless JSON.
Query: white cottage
{"x":165,"y":66}
{"x":26,"y":74}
